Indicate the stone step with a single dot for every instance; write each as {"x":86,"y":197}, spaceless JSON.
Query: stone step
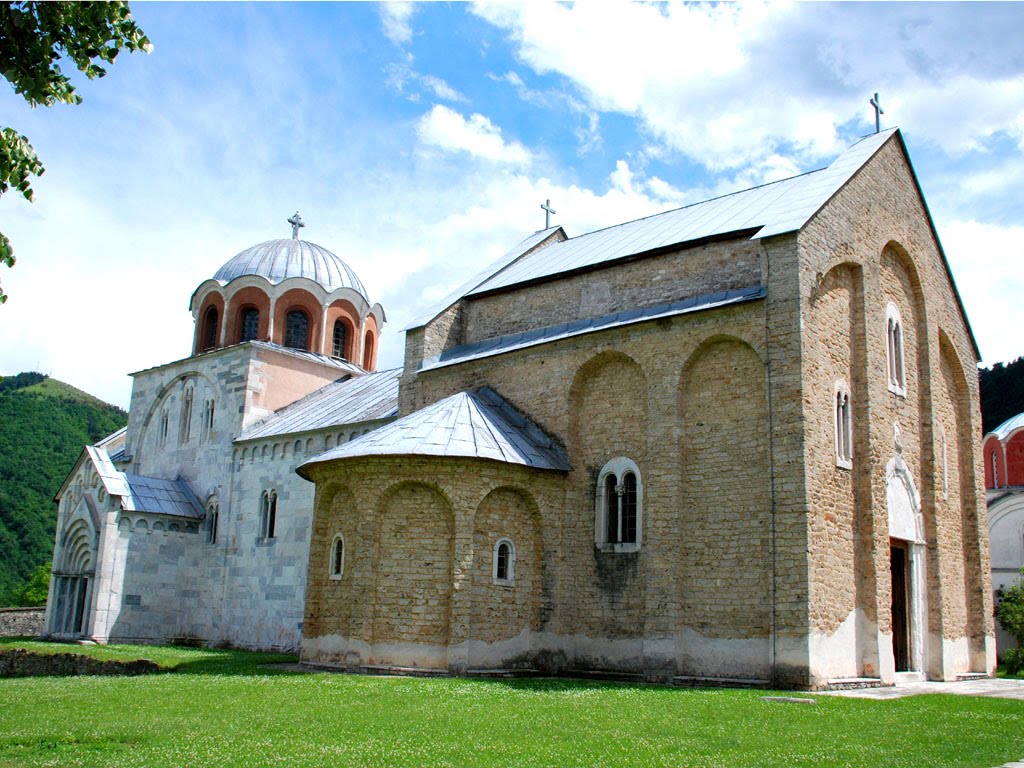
{"x":386,"y":669}
{"x":972,"y":676}
{"x":605,"y":674}
{"x":854,"y":683}
{"x":525,"y":672}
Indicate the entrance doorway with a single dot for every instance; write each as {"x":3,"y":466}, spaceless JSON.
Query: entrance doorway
{"x":899,"y":564}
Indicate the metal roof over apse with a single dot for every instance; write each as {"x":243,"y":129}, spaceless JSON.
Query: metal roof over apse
{"x":349,"y":401}
{"x":771,"y":209}
{"x":277,"y":260}
{"x":479,"y":425}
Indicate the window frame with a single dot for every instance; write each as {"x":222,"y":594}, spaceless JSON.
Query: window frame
{"x":895,"y":362}
{"x":268,"y":516}
{"x":341,"y":353}
{"x":212,"y":522}
{"x":842,"y":425}
{"x":336,"y":571}
{"x":618,"y":468}
{"x":243,"y":315}
{"x":510,"y":562}
{"x":295,"y":312}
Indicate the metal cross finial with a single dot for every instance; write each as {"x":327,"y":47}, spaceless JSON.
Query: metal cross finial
{"x":296,"y":222}
{"x":878,"y":112}
{"x":548,"y":210}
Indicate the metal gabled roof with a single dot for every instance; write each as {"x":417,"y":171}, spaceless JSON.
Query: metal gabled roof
{"x":524,"y":246}
{"x":536,"y":336}
{"x":771,"y":209}
{"x":478,"y":425}
{"x":349,"y":401}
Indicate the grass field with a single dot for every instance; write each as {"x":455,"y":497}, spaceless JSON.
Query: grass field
{"x":224,"y":708}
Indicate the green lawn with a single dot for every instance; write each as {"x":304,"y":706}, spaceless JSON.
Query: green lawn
{"x":222,"y":708}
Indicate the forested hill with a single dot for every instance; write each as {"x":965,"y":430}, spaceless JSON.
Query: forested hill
{"x":44,"y":423}
{"x":1002,"y":393}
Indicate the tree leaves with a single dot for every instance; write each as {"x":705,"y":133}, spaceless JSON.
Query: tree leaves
{"x":34,"y":37}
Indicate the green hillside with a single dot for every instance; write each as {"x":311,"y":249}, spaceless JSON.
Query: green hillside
{"x":45,"y":423}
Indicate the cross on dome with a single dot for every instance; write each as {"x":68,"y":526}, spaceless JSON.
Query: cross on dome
{"x":296,"y":222}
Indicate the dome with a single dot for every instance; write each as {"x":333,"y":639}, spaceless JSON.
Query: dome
{"x":277,"y":260}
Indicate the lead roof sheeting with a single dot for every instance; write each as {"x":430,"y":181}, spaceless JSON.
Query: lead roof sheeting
{"x":165,"y":497}
{"x":488,"y":272}
{"x":113,"y":479}
{"x":1003,"y":430}
{"x":278,"y":260}
{"x":772,"y":209}
{"x":337,"y":362}
{"x":477,"y":425}
{"x":350,"y":401}
{"x":537,"y":336}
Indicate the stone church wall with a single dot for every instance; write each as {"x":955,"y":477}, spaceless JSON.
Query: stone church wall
{"x":873,"y":243}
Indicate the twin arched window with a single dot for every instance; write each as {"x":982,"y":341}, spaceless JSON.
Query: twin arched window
{"x":894,"y":350}
{"x":268,"y":515}
{"x":619,"y":506}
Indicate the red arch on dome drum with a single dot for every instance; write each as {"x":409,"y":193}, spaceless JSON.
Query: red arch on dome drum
{"x":345,"y":311}
{"x":244,"y":300}
{"x":304,"y":301}
{"x":208,"y":324}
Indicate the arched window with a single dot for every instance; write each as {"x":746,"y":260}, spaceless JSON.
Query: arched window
{"x":268,"y":515}
{"x":843,"y":426}
{"x":164,"y":420}
{"x":340,"y":336}
{"x":503,"y":569}
{"x":619,"y":503}
{"x":208,"y":409}
{"x":296,"y":330}
{"x":185,"y":430}
{"x":212,"y":522}
{"x":250,"y":324}
{"x":338,"y":557}
{"x":894,"y":350}
{"x":210,"y":329}
{"x":368,"y":350}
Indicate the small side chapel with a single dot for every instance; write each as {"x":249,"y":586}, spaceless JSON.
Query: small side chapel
{"x":734,"y":441}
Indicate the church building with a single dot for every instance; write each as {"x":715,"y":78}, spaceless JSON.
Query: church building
{"x":734,"y":441}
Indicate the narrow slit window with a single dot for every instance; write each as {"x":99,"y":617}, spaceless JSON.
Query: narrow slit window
{"x":894,"y":350}
{"x":503,"y":569}
{"x":338,"y":557}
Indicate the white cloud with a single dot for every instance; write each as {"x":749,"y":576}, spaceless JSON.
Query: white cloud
{"x":441,"y":89}
{"x":445,"y":128}
{"x":987,"y":262}
{"x":395,"y":16}
{"x":729,"y":84}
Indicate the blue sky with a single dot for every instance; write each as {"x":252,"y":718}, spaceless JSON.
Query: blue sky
{"x":418,"y":141}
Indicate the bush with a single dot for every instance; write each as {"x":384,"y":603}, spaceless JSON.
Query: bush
{"x":1010,"y":613}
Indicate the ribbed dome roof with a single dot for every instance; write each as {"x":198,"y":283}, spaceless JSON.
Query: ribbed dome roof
{"x":277,"y":260}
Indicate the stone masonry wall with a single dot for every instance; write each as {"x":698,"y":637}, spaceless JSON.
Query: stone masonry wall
{"x":878,"y":228}
{"x":21,"y":622}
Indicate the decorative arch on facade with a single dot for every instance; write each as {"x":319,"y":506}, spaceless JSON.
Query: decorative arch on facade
{"x":507,"y":575}
{"x":725,"y":469}
{"x":613,"y":385}
{"x":415,"y":546}
{"x":978,"y":599}
{"x":913,"y":336}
